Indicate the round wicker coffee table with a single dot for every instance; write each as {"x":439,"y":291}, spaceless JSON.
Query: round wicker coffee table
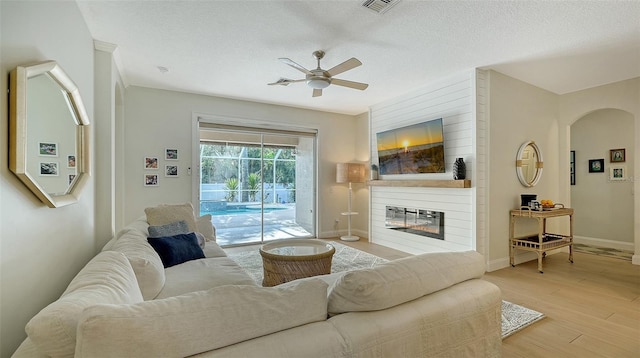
{"x":288,"y":260}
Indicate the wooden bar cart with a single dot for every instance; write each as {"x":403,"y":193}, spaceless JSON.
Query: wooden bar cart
{"x":544,"y":241}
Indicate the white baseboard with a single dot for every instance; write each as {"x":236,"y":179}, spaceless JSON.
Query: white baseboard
{"x":520,"y":257}
{"x":592,"y":241}
{"x":331,"y":234}
{"x":635,"y":259}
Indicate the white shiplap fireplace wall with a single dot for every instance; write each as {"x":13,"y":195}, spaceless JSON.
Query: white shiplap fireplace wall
{"x":460,"y":101}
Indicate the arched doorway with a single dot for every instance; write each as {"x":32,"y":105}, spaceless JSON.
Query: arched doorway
{"x":605,"y":203}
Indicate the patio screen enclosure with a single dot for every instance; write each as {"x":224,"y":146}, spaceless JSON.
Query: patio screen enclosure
{"x":257,"y":184}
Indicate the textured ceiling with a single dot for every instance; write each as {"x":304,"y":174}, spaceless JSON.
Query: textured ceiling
{"x":231,"y":48}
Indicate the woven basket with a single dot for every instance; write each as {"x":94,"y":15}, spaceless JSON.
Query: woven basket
{"x":279,"y":269}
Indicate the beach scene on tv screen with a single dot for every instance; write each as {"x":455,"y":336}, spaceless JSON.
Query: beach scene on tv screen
{"x":414,"y":149}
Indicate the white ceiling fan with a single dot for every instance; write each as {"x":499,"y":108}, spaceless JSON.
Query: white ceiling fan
{"x":319,"y":78}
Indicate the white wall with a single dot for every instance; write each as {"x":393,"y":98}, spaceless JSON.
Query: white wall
{"x":157,"y":119}
{"x":41,"y":249}
{"x":454,"y":100}
{"x":518,"y":112}
{"x":604,"y":207}
{"x":623,"y":95}
{"x":360,"y":222}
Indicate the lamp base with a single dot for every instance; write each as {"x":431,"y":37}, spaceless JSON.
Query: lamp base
{"x":349,"y":238}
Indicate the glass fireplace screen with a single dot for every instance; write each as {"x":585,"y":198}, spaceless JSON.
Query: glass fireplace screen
{"x":415,"y":221}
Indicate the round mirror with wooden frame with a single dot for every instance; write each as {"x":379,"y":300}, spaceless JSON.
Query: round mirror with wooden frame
{"x":529,"y":164}
{"x":48,"y":133}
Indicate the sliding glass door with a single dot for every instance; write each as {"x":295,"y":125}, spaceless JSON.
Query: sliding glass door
{"x":258,"y":185}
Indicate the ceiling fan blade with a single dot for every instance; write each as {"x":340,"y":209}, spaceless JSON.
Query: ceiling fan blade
{"x":345,"y":66}
{"x":284,"y":82}
{"x":317,"y":92}
{"x":344,"y":83}
{"x":290,"y":62}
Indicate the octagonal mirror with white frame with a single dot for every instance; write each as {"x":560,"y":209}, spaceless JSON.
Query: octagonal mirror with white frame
{"x":48,"y":133}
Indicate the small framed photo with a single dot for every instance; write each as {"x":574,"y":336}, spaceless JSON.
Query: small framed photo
{"x":596,"y":165}
{"x":49,"y":169}
{"x":47,"y":149}
{"x":617,"y":155}
{"x":151,"y":162}
{"x":171,"y":171}
{"x":170,"y":154}
{"x":617,"y":172}
{"x":151,"y":180}
{"x":71,"y":161}
{"x":71,"y":178}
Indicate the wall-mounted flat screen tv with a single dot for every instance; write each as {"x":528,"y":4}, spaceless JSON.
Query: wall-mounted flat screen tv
{"x":418,"y":148}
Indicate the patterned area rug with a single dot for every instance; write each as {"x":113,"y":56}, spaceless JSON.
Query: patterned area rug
{"x":514,"y":317}
{"x":604,"y":251}
{"x":346,"y":258}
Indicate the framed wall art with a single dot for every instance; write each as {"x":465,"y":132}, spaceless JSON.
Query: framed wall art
{"x":49,"y":169}
{"x":150,"y":162}
{"x":617,"y":155}
{"x":47,"y":149}
{"x":171,"y":171}
{"x":572,"y":166}
{"x":596,"y":165}
{"x":170,"y":154}
{"x":151,"y":180}
{"x":617,"y":172}
{"x":71,"y":161}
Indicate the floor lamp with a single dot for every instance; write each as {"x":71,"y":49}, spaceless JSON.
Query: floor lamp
{"x":349,"y":173}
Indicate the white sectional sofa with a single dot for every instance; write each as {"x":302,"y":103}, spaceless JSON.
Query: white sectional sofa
{"x":124,"y":303}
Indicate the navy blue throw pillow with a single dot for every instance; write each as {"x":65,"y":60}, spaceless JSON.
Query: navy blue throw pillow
{"x":174,"y":250}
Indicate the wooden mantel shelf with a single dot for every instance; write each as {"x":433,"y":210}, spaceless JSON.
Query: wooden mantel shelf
{"x":465,"y":183}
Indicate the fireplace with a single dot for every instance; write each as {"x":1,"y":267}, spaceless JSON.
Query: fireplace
{"x":415,"y":221}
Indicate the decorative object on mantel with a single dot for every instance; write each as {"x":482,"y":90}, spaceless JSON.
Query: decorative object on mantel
{"x":349,"y":173}
{"x":374,"y":172}
{"x":459,"y":169}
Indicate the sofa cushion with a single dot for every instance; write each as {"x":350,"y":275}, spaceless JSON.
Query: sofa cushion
{"x":212,"y":249}
{"x":199,"y":321}
{"x":167,"y":214}
{"x":107,"y":279}
{"x":203,"y":274}
{"x":206,"y":227}
{"x":174,"y":228}
{"x":145,"y":261}
{"x":403,"y":280}
{"x":174,"y":250}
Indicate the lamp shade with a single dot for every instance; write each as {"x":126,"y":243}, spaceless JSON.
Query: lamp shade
{"x":350,"y":173}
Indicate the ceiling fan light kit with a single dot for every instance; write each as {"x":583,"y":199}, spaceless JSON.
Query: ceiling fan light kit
{"x":319,"y":79}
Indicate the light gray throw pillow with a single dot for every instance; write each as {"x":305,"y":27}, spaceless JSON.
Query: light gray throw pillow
{"x":171,"y":229}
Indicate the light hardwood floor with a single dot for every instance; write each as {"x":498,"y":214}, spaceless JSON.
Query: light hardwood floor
{"x":592,"y":306}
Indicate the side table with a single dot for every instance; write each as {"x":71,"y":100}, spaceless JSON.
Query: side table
{"x":544,"y":241}
{"x":288,"y":260}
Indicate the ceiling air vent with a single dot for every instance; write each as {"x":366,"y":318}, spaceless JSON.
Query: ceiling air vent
{"x":379,"y":6}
